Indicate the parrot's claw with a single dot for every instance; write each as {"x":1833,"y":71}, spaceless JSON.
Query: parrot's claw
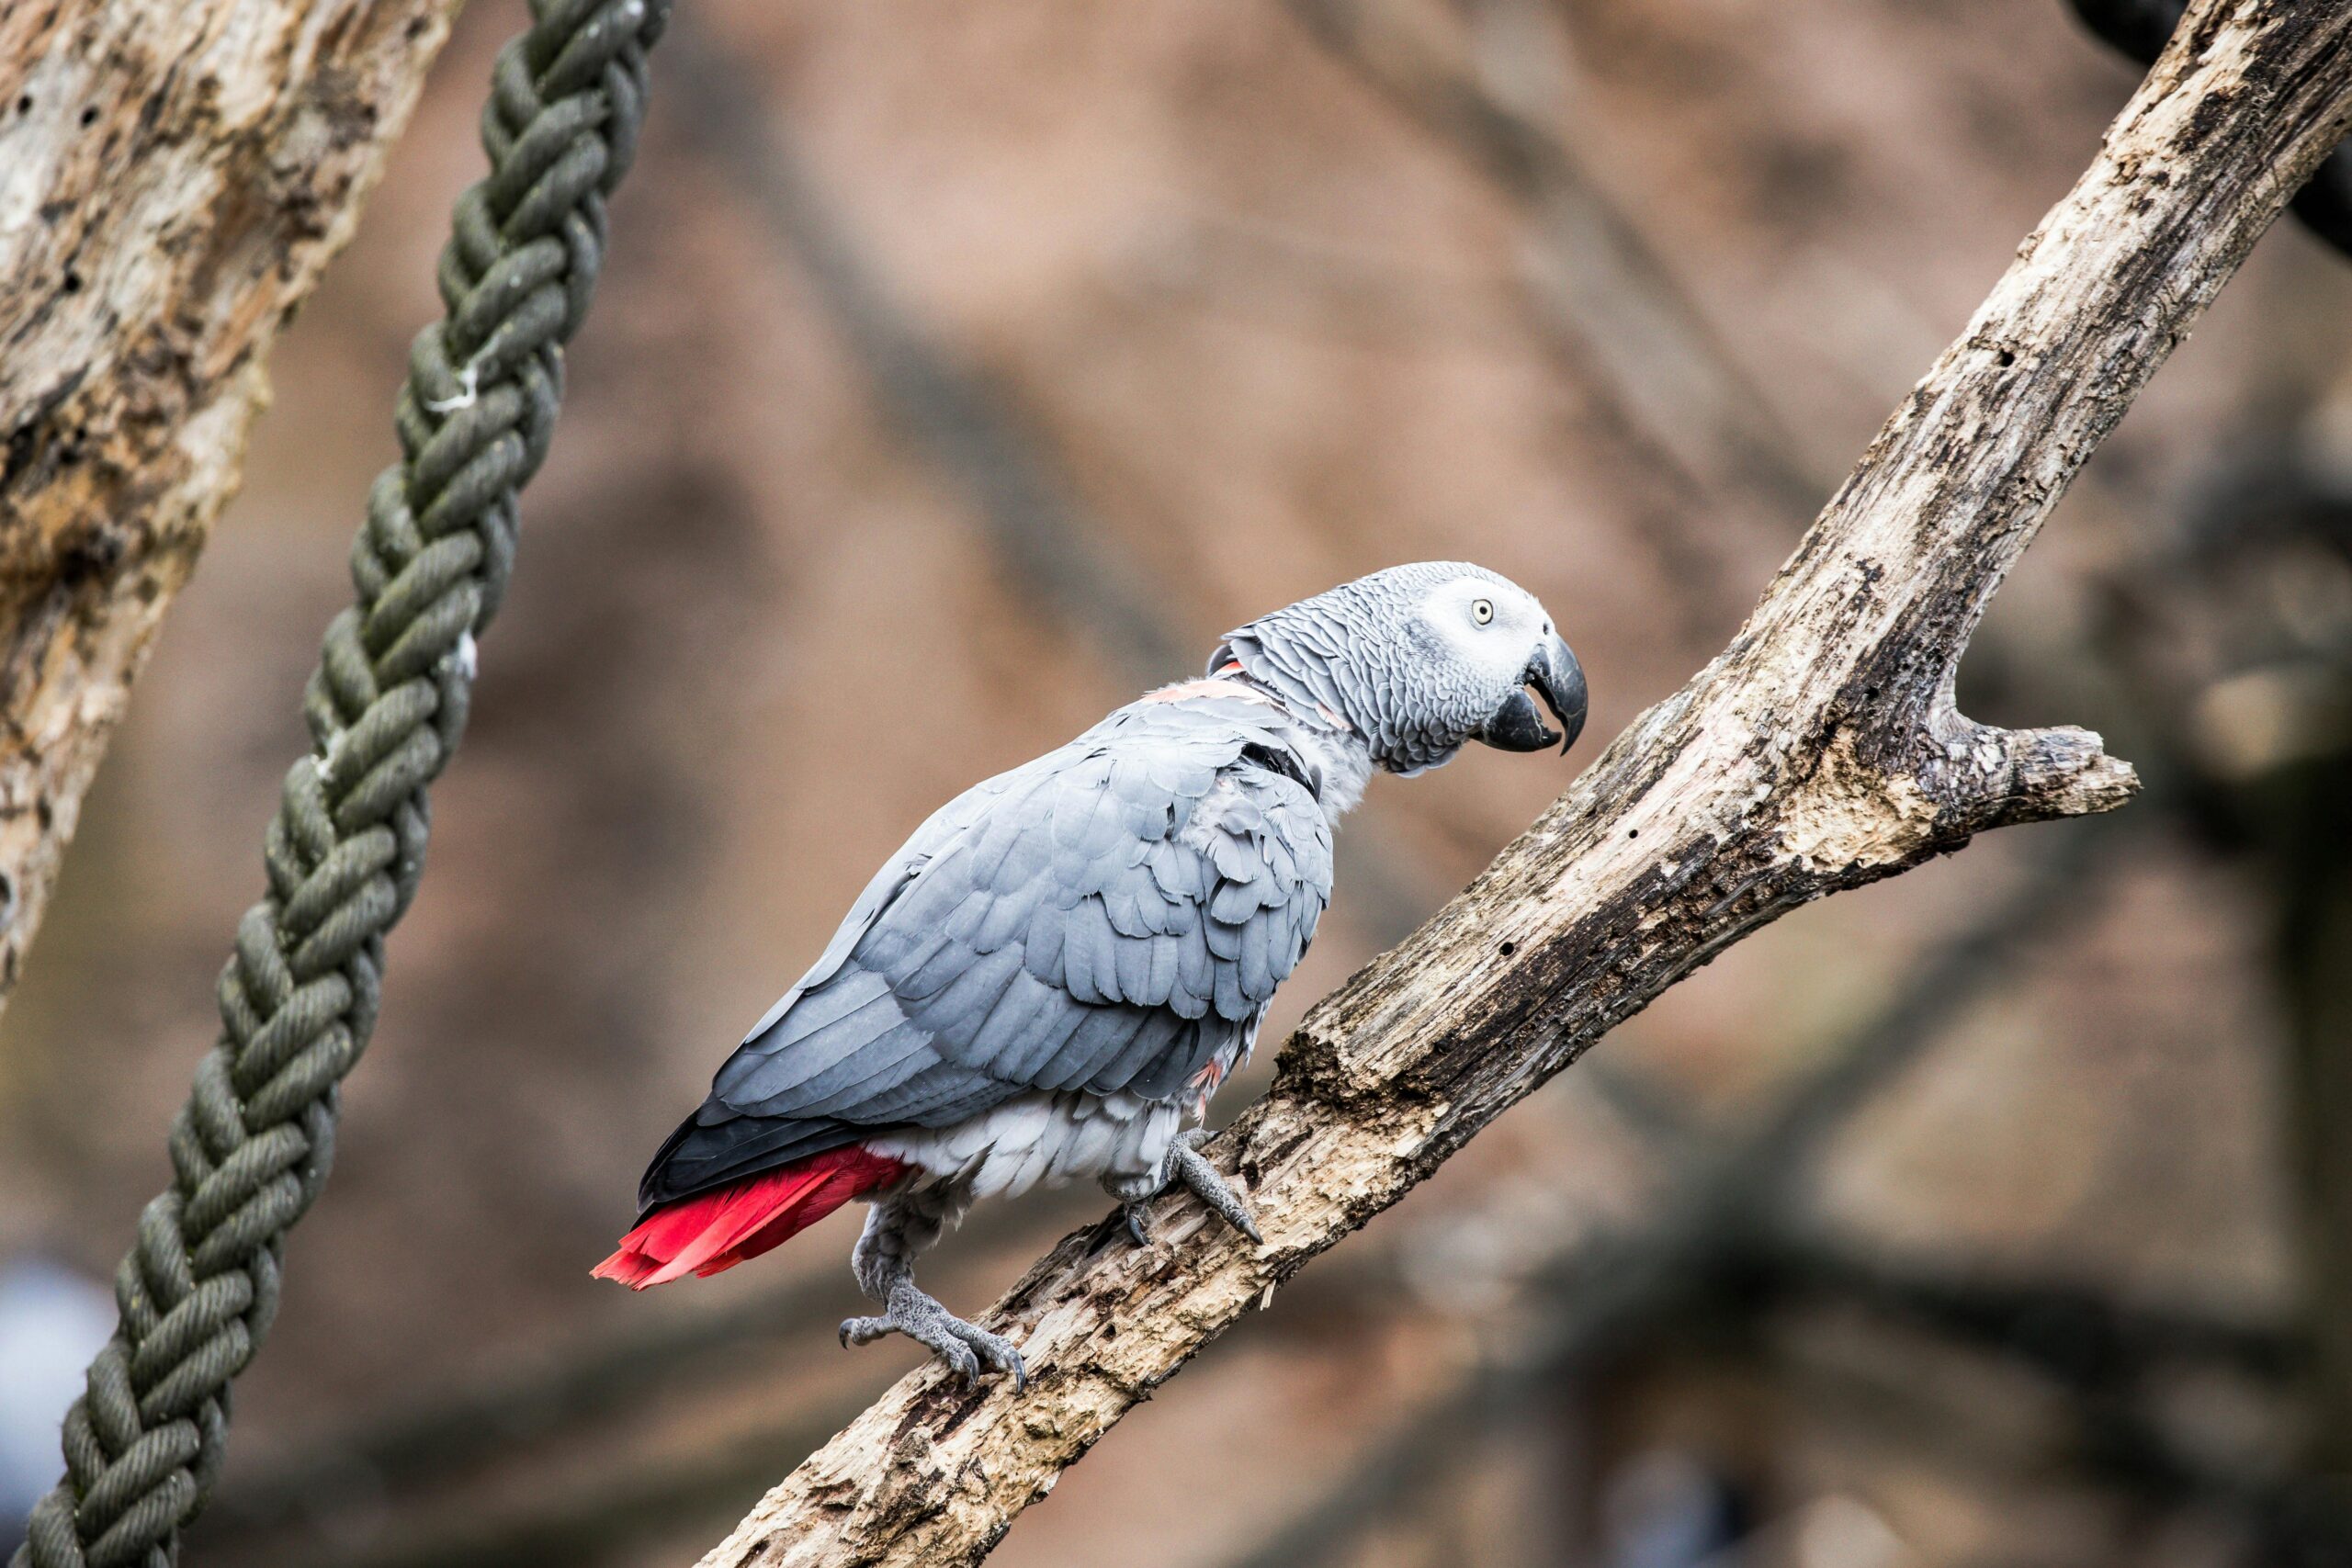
{"x":1182,"y":1165}
{"x":965,"y":1347}
{"x":1202,"y":1179}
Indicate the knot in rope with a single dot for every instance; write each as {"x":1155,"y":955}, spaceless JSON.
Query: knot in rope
{"x":252,"y":1146}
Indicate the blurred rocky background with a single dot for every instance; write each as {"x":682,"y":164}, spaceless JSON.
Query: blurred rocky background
{"x":961,"y":369}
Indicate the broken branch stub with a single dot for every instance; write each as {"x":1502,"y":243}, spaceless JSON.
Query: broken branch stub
{"x":1820,"y":751}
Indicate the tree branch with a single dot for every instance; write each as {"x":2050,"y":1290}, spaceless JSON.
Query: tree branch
{"x":1586,"y":1287}
{"x":1820,"y":751}
{"x":1589,"y":1292}
{"x":172,"y":179}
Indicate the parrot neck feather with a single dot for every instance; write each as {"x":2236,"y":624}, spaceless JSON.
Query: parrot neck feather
{"x":1340,"y":757}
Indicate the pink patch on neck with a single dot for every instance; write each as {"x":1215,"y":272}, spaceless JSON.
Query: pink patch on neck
{"x":1215,"y":685}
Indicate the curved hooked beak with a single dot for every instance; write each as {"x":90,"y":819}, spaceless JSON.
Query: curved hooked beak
{"x":1555,"y":673}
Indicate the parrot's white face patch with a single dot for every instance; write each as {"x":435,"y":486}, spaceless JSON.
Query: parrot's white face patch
{"x":1490,"y":625}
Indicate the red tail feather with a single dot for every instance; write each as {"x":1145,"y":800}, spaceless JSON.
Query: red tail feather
{"x":715,"y":1230}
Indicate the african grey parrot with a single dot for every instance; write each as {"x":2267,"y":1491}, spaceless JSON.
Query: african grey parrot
{"x":1053,"y":976}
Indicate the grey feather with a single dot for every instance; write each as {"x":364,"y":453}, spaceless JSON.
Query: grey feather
{"x":1110,"y":915}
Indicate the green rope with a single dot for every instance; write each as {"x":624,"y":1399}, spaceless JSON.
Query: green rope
{"x":251,"y":1148}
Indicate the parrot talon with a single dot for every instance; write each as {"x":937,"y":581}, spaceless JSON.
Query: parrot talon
{"x":965,"y":1347}
{"x":1200,"y":1177}
{"x":1182,"y":1165}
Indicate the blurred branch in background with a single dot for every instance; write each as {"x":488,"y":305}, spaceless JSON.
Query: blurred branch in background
{"x":2307,"y":844}
{"x":1593,"y":283}
{"x":1042,"y":530}
{"x":2108,"y":1356}
{"x":1040,"y":524}
{"x":2270,"y":739}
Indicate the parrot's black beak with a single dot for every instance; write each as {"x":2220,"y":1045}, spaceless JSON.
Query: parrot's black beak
{"x":1552,"y":672}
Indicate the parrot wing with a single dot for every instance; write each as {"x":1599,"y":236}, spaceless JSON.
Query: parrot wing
{"x":1107,"y":918}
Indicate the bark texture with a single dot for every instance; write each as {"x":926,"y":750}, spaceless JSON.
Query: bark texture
{"x":172,"y":177}
{"x":1820,"y":751}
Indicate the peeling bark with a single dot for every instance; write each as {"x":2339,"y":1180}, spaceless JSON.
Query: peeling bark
{"x":1820,"y":751}
{"x":172,"y":177}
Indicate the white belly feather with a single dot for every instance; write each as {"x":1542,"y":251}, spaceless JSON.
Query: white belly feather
{"x":1040,"y":1137}
{"x":1055,"y":1136}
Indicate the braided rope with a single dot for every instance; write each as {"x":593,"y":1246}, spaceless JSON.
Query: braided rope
{"x":2139,"y":30}
{"x":251,"y":1148}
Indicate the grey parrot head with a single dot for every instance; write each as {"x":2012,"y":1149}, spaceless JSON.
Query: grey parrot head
{"x":1419,"y":660}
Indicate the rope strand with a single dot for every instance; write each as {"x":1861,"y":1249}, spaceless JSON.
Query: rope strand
{"x":252,"y":1146}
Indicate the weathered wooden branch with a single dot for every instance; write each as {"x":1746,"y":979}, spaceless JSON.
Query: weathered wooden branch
{"x":1590,"y":1286}
{"x":1820,"y":751}
{"x":1590,"y":1290}
{"x":172,"y":177}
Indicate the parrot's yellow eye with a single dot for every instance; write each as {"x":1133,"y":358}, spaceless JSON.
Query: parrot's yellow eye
{"x":1482,"y":611}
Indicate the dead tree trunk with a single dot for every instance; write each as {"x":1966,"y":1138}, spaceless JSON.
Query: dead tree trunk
{"x":1820,"y":751}
{"x":172,"y":177}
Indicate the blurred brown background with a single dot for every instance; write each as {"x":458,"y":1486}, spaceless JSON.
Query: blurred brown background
{"x":960,"y":370}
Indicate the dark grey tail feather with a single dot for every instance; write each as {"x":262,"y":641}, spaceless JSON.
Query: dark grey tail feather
{"x":696,"y":1158}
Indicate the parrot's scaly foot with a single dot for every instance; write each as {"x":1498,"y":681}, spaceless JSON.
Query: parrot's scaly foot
{"x":964,"y":1346}
{"x":1201,"y":1178}
{"x":1182,"y":1165}
{"x":1134,"y":1194}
